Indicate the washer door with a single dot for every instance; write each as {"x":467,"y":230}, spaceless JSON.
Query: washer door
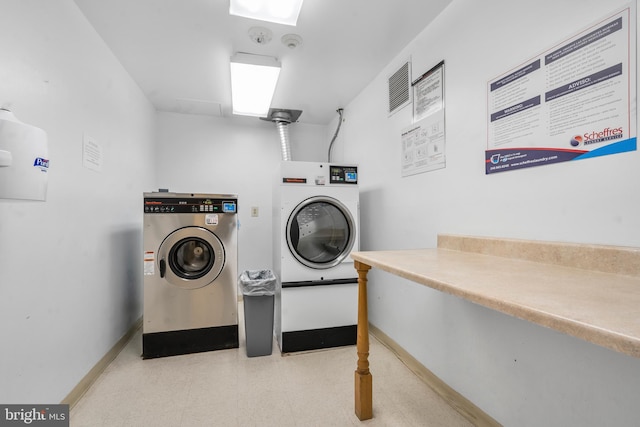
{"x":191,"y":257}
{"x":320,"y":232}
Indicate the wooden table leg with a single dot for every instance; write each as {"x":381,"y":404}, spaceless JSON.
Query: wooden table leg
{"x":363,"y":379}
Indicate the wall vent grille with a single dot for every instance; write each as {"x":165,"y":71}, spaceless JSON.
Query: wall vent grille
{"x":400,"y":88}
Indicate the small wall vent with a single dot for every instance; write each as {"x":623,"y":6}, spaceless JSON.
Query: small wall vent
{"x":400,"y":88}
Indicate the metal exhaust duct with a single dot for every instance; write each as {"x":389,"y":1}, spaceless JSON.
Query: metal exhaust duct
{"x":282,"y":118}
{"x":283,"y":131}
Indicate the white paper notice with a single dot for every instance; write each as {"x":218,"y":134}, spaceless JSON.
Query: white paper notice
{"x":423,"y":148}
{"x":91,"y":154}
{"x":423,"y":143}
{"x":428,"y":93}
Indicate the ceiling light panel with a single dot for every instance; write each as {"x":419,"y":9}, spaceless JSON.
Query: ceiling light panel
{"x":279,"y":11}
{"x":253,"y":82}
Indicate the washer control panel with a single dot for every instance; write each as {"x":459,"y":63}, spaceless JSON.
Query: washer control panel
{"x":170,"y":205}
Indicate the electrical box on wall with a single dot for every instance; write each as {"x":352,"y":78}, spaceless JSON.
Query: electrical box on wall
{"x":24,"y":159}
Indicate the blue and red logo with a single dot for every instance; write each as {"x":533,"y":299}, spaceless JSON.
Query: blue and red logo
{"x":43,"y":164}
{"x":576,"y":140}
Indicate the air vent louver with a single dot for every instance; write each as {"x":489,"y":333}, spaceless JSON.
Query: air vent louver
{"x":400,"y":88}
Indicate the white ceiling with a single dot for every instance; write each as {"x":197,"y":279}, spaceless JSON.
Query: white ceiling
{"x":178,"y":50}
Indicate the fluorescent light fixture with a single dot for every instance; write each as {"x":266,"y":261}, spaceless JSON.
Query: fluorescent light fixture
{"x":253,"y":81}
{"x":278,"y":11}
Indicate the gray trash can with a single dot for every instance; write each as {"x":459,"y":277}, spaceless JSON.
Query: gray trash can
{"x":258,"y":290}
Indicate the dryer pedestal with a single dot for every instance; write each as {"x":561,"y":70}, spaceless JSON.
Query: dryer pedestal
{"x":316,"y":339}
{"x":317,"y":316}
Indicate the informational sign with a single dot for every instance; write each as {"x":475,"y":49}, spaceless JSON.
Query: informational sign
{"x":423,"y":143}
{"x":149,"y":261}
{"x":428,"y":93}
{"x":572,"y":102}
{"x":91,"y":154}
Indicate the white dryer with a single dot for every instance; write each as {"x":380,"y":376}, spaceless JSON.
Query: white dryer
{"x":316,"y":227}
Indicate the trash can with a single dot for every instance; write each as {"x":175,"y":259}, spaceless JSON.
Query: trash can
{"x":258,"y":290}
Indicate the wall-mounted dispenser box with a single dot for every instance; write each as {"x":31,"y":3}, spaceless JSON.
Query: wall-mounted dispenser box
{"x":24,"y":159}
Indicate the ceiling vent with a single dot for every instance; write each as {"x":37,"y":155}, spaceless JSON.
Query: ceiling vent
{"x":400,"y":88}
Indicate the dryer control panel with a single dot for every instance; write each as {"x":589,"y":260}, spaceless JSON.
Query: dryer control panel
{"x":170,"y":205}
{"x":343,"y":174}
{"x":314,"y":173}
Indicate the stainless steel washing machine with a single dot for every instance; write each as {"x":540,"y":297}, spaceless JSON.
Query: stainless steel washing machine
{"x":190,"y":273}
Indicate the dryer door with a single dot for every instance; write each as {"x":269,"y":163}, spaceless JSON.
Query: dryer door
{"x":191,"y":257}
{"x":320,"y":232}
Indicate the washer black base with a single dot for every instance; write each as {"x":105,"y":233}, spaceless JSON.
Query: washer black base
{"x":174,"y":343}
{"x":315,"y":339}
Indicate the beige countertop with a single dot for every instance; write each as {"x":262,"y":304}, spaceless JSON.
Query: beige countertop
{"x":600,"y":307}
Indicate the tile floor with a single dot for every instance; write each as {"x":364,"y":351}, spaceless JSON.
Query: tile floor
{"x":226,"y":388}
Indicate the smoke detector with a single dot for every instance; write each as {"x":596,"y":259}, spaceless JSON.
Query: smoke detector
{"x":260,"y":35}
{"x":291,"y":41}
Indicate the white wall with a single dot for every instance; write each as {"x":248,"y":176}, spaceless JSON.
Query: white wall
{"x":233,"y":155}
{"x":70,"y":281}
{"x":519,"y":373}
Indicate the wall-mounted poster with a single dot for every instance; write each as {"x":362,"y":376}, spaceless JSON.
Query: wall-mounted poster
{"x":423,"y":143}
{"x":572,"y":102}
